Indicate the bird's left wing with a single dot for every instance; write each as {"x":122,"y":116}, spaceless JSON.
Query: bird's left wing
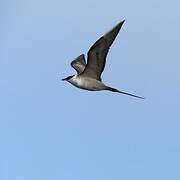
{"x":98,"y":52}
{"x":79,"y":64}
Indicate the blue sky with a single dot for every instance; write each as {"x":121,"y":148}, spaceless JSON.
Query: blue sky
{"x":52,"y":130}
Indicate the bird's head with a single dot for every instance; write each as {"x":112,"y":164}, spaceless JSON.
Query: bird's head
{"x":67,"y":78}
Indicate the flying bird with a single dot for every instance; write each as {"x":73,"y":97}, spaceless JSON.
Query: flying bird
{"x":88,"y":75}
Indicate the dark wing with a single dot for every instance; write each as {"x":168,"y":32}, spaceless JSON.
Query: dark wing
{"x":79,"y":64}
{"x":98,"y":52}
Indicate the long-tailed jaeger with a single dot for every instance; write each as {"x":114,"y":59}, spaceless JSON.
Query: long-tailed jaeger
{"x":88,"y":75}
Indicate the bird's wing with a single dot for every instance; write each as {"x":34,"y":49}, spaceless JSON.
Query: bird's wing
{"x":79,"y":64}
{"x":98,"y":52}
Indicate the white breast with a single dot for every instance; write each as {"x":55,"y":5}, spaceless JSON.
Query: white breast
{"x":86,"y":83}
{"x":78,"y":81}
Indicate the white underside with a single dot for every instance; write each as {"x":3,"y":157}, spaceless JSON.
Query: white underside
{"x":87,"y":83}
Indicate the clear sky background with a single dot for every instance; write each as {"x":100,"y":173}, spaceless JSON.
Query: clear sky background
{"x":51,"y":130}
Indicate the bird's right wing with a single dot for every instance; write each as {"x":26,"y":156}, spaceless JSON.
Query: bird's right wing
{"x":79,"y":64}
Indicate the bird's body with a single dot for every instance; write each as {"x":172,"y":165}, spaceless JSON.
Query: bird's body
{"x":88,"y":75}
{"x":87,"y":83}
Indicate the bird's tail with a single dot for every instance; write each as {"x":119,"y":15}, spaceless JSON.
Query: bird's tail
{"x":116,"y":90}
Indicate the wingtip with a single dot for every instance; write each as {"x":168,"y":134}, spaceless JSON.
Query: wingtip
{"x":119,"y":25}
{"x":122,"y":22}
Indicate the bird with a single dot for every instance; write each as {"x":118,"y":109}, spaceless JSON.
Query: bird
{"x":88,"y":75}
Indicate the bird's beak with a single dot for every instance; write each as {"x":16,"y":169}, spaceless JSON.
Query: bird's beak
{"x":63,"y":79}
